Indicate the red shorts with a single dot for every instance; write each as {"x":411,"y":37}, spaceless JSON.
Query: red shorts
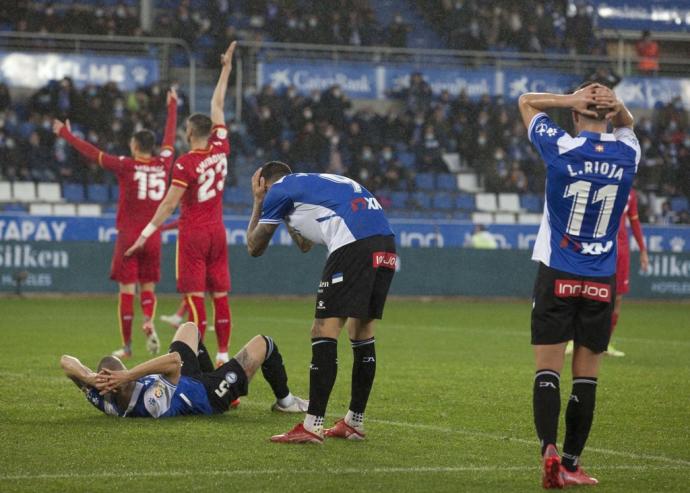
{"x":202,"y":260}
{"x":623,"y":272}
{"x":143,"y":266}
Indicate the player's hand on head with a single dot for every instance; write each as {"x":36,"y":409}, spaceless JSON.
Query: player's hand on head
{"x":226,"y":58}
{"x":607,"y":99}
{"x":258,"y":186}
{"x":109,"y":380}
{"x":584,"y":98}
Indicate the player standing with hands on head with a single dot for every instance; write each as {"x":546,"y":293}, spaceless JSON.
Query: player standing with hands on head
{"x":198,"y":180}
{"x":143,"y":179}
{"x":588,"y":180}
{"x":340,"y":213}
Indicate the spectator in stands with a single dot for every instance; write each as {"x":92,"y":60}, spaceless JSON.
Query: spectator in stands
{"x":578,"y":30}
{"x":648,"y":53}
{"x":482,"y":239}
{"x":667,"y":216}
{"x":397,"y":32}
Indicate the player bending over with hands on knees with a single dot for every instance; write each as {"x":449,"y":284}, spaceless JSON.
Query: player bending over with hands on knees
{"x":183,"y":381}
{"x":341,"y":214}
{"x":588,"y":180}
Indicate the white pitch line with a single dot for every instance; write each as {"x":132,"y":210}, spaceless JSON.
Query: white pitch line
{"x":495,"y":436}
{"x":272,"y":472}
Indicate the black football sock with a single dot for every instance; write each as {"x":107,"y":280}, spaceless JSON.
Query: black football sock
{"x":546,"y":402}
{"x":578,"y":419}
{"x":322,"y":373}
{"x":274,"y":370}
{"x":363,"y":372}
{"x":205,"y":363}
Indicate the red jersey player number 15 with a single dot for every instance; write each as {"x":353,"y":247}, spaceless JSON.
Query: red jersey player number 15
{"x":202,"y":172}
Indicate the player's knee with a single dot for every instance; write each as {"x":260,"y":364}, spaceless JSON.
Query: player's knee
{"x":187,"y":329}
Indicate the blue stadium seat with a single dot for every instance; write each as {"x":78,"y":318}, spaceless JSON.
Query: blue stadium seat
{"x":530,"y":202}
{"x":407,"y":159}
{"x":465,"y":202}
{"x":424,"y":181}
{"x":461,"y":216}
{"x":446,"y":181}
{"x":443,"y":200}
{"x":679,"y":204}
{"x":423,"y":199}
{"x":98,"y":193}
{"x":73,"y":192}
{"x":114,"y":193}
{"x":399,"y":200}
{"x":15,"y":207}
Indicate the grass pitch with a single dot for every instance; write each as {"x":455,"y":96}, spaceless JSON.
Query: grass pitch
{"x":450,"y":408}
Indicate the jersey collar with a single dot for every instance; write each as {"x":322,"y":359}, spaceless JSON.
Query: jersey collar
{"x":597,"y":136}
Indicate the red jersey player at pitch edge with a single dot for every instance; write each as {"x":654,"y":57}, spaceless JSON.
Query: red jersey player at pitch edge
{"x":623,"y":264}
{"x":143,"y":179}
{"x":198,"y":179}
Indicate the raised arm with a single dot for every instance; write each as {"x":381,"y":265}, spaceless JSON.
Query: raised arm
{"x":90,"y":152}
{"x":168,"y":366}
{"x":533,"y":103}
{"x":164,"y":211}
{"x":218,"y":98}
{"x":170,"y":121}
{"x":258,"y":235}
{"x":82,"y":376}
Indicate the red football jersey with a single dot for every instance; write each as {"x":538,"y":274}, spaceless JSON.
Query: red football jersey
{"x":143,"y":182}
{"x":632,"y":214}
{"x":202,"y":172}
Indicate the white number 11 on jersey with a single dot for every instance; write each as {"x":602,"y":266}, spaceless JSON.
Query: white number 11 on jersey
{"x":579,"y":190}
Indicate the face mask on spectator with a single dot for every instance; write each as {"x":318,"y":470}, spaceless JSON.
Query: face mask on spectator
{"x":481,"y":141}
{"x":498,"y":155}
{"x":10,"y":144}
{"x":335,"y":140}
{"x":387,"y":155}
{"x":307,"y":114}
{"x":337,"y":92}
{"x":266,"y":113}
{"x":367,"y":155}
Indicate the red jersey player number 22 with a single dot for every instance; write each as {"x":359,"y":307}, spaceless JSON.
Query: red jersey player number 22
{"x":202,"y":172}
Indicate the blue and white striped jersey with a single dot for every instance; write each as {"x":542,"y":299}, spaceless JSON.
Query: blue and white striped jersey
{"x":155,"y":397}
{"x":326,"y":209}
{"x":588,"y":180}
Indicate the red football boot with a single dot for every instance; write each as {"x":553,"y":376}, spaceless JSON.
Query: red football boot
{"x":235,"y":404}
{"x":343,"y":430}
{"x":551,"y":473}
{"x":298,"y":435}
{"x":577,"y":477}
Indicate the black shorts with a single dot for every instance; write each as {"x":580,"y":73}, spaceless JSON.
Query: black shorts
{"x":356,"y":279}
{"x":566,"y":306}
{"x":223,"y":385}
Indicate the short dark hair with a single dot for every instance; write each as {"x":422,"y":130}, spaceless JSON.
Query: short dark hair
{"x":145,"y":140}
{"x":110,"y":362}
{"x":273,"y":170}
{"x":200,"y":125}
{"x":601,"y":112}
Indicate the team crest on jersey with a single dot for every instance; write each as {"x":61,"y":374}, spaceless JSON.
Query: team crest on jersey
{"x":543,"y":128}
{"x":158,"y":390}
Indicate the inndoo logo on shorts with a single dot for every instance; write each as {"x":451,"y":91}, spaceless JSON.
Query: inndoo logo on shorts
{"x":386,"y":260}
{"x":571,"y":288}
{"x":369,"y":203}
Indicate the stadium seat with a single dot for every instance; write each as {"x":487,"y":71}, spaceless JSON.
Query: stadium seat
{"x":461,"y":215}
{"x":529,"y":218}
{"x":530,"y":202}
{"x":49,"y":192}
{"x":452,"y":161}
{"x":486,"y":202}
{"x":468,"y":182}
{"x":504,"y":218}
{"x":98,"y":193}
{"x":73,"y":192}
{"x":482,"y":218}
{"x":88,"y":210}
{"x":14,"y":207}
{"x":465,"y":202}
{"x":422,"y":199}
{"x":5,"y":191}
{"x":508,"y":202}
{"x":446,"y":181}
{"x":443,"y":200}
{"x":41,"y":209}
{"x":679,"y":204}
{"x":407,"y":159}
{"x":24,"y":191}
{"x":424,"y":181}
{"x":399,"y":200}
{"x":65,"y":210}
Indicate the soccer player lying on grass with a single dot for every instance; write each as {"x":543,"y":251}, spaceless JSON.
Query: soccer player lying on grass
{"x":182,"y":381}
